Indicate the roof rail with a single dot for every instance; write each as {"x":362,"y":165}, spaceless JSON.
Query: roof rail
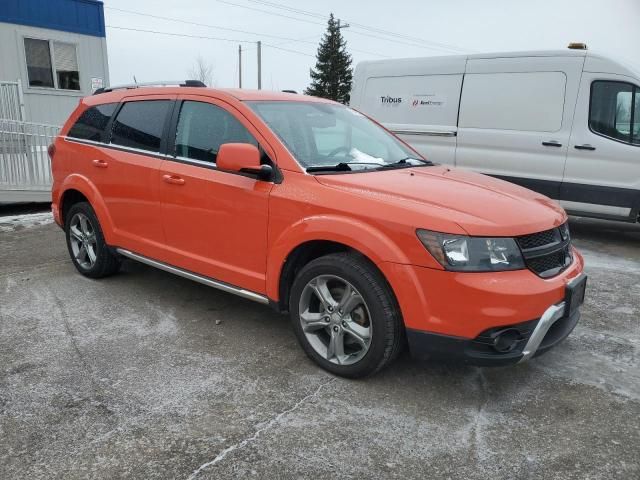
{"x":161,"y":83}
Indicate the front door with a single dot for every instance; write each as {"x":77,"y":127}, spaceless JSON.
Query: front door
{"x":215,"y":222}
{"x":602,"y":176}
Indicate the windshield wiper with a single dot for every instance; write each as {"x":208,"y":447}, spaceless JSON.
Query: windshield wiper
{"x":339,"y":167}
{"x":404,"y":163}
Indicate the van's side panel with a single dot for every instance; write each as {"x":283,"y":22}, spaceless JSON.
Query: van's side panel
{"x":415,"y":98}
{"x":516,"y":116}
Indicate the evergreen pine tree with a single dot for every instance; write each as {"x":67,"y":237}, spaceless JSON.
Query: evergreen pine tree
{"x":333,"y":74}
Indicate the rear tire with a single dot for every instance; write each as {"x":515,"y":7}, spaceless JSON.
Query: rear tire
{"x":345,"y":315}
{"x":88,"y":251}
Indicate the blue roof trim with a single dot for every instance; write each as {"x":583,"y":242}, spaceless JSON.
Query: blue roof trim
{"x":76,"y":16}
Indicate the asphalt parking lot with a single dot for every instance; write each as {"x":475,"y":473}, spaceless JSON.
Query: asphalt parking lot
{"x":147,"y":375}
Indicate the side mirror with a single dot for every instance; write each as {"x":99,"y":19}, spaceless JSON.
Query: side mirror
{"x":242,"y":158}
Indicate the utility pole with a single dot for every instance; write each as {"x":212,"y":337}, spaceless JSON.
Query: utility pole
{"x":259,"y":65}
{"x":239,"y":66}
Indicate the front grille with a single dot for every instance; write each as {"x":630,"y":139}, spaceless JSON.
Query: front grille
{"x":539,"y":239}
{"x":546,"y":253}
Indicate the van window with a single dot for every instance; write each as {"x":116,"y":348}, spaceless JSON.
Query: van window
{"x":614,"y":110}
{"x":203,"y":127}
{"x":140,"y":124}
{"x":92,"y":122}
{"x":530,"y":101}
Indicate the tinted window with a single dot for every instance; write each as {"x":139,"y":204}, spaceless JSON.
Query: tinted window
{"x":140,"y":124}
{"x":203,"y":127}
{"x":614,"y":111}
{"x":38,"y":62}
{"x":92,"y":122}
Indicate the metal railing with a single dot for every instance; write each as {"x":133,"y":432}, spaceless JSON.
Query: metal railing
{"x":24,"y":160}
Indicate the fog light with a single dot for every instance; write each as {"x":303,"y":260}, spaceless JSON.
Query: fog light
{"x":506,"y":340}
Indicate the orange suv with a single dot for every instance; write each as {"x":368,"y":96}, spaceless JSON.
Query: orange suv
{"x":315,"y":209}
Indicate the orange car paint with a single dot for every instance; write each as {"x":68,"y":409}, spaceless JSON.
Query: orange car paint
{"x":241,"y":230}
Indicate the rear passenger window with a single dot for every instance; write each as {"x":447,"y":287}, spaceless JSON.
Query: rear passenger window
{"x":92,"y":122}
{"x":140,"y":124}
{"x":615,"y":111}
{"x":203,"y":127}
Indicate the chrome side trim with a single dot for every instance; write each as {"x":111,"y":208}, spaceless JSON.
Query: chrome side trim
{"x":549,"y":317}
{"x":225,"y":287}
{"x":430,"y":133}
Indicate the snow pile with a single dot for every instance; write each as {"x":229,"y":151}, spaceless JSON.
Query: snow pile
{"x":28,"y":220}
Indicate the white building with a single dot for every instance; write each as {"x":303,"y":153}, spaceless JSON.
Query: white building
{"x":52,"y":53}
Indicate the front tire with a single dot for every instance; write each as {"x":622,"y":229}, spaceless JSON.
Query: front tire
{"x":88,"y":251}
{"x":345,"y":315}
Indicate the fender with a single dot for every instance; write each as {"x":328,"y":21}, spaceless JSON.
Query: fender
{"x":356,"y":234}
{"x":83,"y":185}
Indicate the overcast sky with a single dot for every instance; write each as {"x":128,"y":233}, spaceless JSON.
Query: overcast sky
{"x":412,"y":28}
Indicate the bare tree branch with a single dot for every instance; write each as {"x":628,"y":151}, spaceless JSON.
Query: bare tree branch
{"x":203,"y":71}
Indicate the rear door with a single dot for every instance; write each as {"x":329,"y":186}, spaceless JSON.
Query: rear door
{"x":602,"y":175}
{"x":132,"y":167}
{"x":215,"y":222}
{"x":515,"y":119}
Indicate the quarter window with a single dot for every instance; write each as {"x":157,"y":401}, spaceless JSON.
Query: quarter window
{"x":615,"y":111}
{"x":203,"y":127}
{"x":92,"y":122}
{"x":140,"y":124}
{"x":52,"y":64}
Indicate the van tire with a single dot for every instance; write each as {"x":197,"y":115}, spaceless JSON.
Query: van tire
{"x":379,"y":306}
{"x":79,"y":220}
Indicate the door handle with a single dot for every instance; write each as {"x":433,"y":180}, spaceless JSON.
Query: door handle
{"x":586,"y":146}
{"x":173,"y":179}
{"x":100,"y":163}
{"x":552,"y":143}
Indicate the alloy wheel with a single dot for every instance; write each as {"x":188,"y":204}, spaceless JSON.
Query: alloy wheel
{"x":82,"y":236}
{"x":335,"y":319}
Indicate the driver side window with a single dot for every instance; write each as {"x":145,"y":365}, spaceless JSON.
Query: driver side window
{"x":203,"y":127}
{"x":615,"y":111}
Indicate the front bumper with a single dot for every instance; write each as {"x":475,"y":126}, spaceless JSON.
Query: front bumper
{"x":536,"y":337}
{"x":457,"y":314}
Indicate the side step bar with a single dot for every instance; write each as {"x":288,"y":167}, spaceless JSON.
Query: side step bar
{"x":225,"y":287}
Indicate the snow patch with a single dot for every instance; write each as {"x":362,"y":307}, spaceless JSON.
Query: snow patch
{"x":28,"y":220}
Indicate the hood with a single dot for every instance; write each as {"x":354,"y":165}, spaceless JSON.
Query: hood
{"x":480,"y":205}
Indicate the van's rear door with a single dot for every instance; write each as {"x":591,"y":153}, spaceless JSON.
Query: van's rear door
{"x":515,"y":118}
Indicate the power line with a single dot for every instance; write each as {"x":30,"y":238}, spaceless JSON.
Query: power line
{"x":235,"y":40}
{"x":358,"y":25}
{"x":269,"y":12}
{"x":188,"y":22}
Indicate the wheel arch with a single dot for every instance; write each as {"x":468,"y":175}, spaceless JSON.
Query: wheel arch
{"x":77,"y":188}
{"x":318,"y":236}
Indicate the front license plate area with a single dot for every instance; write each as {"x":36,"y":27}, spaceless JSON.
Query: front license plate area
{"x":574,"y":295}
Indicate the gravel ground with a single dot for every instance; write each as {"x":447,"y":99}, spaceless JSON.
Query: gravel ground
{"x":147,"y":375}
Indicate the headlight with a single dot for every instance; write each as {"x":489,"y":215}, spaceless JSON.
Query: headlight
{"x":472,"y":254}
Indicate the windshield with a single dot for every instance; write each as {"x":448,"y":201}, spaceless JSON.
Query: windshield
{"x":327,"y":135}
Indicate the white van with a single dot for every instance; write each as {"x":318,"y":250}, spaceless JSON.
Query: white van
{"x":565,"y":123}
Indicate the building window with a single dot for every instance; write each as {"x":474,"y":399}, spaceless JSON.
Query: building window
{"x":52,"y":64}
{"x":38,"y":62}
